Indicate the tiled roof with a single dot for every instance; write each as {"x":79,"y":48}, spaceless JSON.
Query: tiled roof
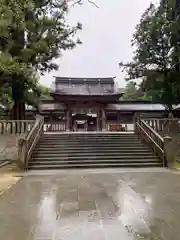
{"x":136,"y":107}
{"x":177,"y":107}
{"x":85,"y":90}
{"x":114,"y":107}
{"x":51,"y":106}
{"x":84,"y":86}
{"x":75,"y":80}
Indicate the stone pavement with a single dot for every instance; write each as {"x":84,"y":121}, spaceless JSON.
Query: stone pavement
{"x":98,"y":205}
{"x":8,"y":177}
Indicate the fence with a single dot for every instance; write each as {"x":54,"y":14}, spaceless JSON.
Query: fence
{"x":15,"y":126}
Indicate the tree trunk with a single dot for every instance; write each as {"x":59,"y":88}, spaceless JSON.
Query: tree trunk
{"x":170,"y":109}
{"x":170,"y":115}
{"x":18,"y":110}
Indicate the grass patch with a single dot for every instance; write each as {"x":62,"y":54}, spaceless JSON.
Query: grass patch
{"x":176,"y":164}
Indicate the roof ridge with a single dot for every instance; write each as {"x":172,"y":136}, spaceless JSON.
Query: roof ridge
{"x":82,"y":77}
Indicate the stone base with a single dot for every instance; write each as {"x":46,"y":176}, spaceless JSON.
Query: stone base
{"x":9,"y":147}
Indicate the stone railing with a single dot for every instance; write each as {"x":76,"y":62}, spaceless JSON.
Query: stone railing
{"x":55,"y":126}
{"x":172,"y":141}
{"x":15,"y":127}
{"x":163,"y":126}
{"x":27,"y":144}
{"x":112,"y":127}
{"x":163,"y":136}
{"x":154,"y":140}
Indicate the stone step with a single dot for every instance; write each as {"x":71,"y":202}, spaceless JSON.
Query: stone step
{"x":88,"y":157}
{"x":90,"y":137}
{"x":99,"y":165}
{"x":97,"y":149}
{"x":110,"y":154}
{"x":86,"y":141}
{"x":89,"y":141}
{"x":89,"y":148}
{"x":82,"y":144}
{"x":86,"y":161}
{"x":88,"y":134}
{"x":92,"y":150}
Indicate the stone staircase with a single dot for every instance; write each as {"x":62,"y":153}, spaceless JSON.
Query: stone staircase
{"x":87,"y":150}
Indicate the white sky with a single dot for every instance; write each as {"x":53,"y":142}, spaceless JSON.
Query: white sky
{"x":106,"y":35}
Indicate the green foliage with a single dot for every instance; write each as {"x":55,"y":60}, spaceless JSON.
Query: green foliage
{"x":32,"y":97}
{"x":41,"y":92}
{"x":134,"y":92}
{"x":157,"y":53}
{"x":6,"y":96}
{"x":33,"y":33}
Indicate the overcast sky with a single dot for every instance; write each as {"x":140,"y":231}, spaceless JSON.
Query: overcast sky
{"x":106,"y":35}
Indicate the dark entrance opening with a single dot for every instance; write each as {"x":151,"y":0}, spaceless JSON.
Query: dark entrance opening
{"x":84,"y":122}
{"x":92,"y":123}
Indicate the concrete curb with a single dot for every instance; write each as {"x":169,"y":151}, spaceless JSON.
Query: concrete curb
{"x":4,"y":163}
{"x":6,"y":189}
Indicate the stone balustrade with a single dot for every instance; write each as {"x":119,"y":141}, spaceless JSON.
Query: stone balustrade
{"x":15,"y":127}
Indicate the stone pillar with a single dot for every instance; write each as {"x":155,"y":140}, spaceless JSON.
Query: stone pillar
{"x":98,"y":121}
{"x":171,"y":127}
{"x":169,"y":151}
{"x":51,"y":118}
{"x":135,"y":119}
{"x":68,"y":121}
{"x":103,"y":118}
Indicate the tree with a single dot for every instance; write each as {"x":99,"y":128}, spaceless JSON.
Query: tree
{"x":32,"y":98}
{"x":130,"y":91}
{"x":134,"y":92}
{"x":154,"y":61}
{"x":32,"y":34}
{"x":35,"y":97}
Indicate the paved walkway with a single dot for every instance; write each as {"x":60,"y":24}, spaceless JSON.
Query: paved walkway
{"x":8,"y":177}
{"x":96,"y":205}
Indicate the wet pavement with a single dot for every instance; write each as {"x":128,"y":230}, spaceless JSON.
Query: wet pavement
{"x":96,"y":205}
{"x":8,"y":177}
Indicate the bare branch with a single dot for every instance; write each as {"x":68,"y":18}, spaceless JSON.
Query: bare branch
{"x":93,"y":3}
{"x":81,"y":2}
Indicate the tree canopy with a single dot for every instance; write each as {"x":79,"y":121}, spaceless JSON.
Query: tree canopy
{"x":156,"y":57}
{"x":33,"y":33}
{"x":133,"y":92}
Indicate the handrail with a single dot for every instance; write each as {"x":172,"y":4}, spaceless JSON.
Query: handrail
{"x":35,"y":131}
{"x":154,"y":140}
{"x":155,"y":119}
{"x":27,"y":144}
{"x":152,"y":130}
{"x":163,"y":136}
{"x":151,"y":138}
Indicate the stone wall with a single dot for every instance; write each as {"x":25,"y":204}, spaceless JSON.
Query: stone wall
{"x":9,"y":147}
